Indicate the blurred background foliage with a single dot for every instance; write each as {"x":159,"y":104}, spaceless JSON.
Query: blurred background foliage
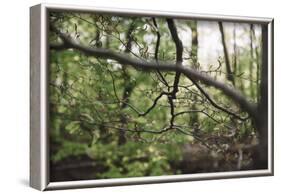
{"x":96,"y":129}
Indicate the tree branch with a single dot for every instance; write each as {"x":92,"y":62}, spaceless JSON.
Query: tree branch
{"x":125,"y":59}
{"x":215,"y":104}
{"x":162,"y":79}
{"x":172,"y":110}
{"x":154,"y":104}
{"x":179,"y":52}
{"x":227,"y":61}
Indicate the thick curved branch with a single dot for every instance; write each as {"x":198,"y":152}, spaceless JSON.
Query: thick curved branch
{"x":125,"y":59}
{"x":179,"y":52}
{"x":176,"y":39}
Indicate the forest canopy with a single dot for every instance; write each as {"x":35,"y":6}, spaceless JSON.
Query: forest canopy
{"x":148,"y":96}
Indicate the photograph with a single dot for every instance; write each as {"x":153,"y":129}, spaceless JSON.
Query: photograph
{"x":140,"y":96}
{"x":123,"y":97}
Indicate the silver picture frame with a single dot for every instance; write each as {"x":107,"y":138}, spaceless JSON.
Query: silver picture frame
{"x":39,"y":138}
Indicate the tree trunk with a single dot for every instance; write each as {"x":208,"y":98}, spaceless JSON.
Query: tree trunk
{"x":194,"y":56}
{"x":261,"y":155}
{"x":252,"y":61}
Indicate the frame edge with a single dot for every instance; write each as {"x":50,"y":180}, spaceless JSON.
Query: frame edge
{"x":38,"y":159}
{"x":36,"y":173}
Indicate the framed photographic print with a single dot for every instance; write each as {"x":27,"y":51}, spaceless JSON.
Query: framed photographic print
{"x":123,"y":97}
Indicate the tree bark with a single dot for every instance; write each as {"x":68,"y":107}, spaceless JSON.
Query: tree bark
{"x":261,"y":155}
{"x":179,"y":52}
{"x":252,"y":61}
{"x":226,"y":56}
{"x":194,"y":57}
{"x":144,"y":65}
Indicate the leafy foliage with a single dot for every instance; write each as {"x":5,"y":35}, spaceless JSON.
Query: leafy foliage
{"x":96,"y":102}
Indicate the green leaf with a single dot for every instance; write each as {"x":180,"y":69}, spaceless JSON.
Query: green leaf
{"x":96,"y":136}
{"x":87,"y":117}
{"x":141,"y":120}
{"x":73,"y":127}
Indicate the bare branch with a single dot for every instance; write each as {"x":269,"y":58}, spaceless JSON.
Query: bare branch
{"x":125,"y":59}
{"x":193,"y":135}
{"x":215,"y":104}
{"x":179,"y":52}
{"x":176,"y":39}
{"x":227,"y":61}
{"x":203,"y":112}
{"x":165,"y":129}
{"x":162,"y":79}
{"x":154,"y":103}
{"x":172,"y":110}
